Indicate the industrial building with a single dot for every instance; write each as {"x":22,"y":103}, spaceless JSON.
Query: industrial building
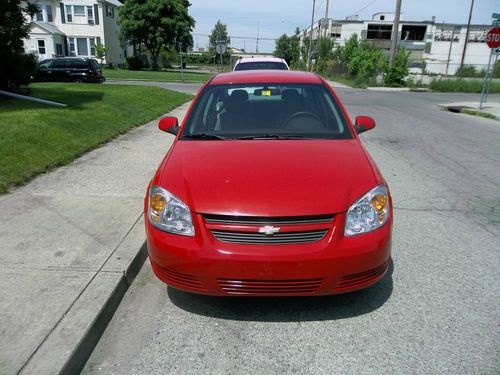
{"x":437,"y":46}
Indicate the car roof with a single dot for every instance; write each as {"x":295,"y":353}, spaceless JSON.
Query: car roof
{"x":260,"y":76}
{"x":68,"y":58}
{"x":260,"y":59}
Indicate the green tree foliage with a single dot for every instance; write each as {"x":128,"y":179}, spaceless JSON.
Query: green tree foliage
{"x":359,"y":60}
{"x":324,"y":52}
{"x":219,"y":32}
{"x":16,"y":67}
{"x":288,"y":48}
{"x":395,"y":75}
{"x":100,"y":52}
{"x":157,"y":24}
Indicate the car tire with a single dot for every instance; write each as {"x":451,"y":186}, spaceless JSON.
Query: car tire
{"x":77,"y":80}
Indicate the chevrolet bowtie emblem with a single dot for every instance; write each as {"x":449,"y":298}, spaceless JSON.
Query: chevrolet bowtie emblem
{"x":269,"y":230}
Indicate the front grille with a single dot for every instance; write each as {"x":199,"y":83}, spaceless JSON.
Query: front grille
{"x":263,"y":239}
{"x":359,"y":279}
{"x":281,"y":287}
{"x":258,"y":220}
{"x":177,"y":279}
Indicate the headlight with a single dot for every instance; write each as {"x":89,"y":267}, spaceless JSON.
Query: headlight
{"x":368,"y":213}
{"x":168,"y":213}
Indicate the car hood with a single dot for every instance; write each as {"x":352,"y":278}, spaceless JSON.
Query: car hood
{"x":267,"y":177}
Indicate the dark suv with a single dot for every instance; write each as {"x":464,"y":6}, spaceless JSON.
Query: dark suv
{"x":70,"y":69}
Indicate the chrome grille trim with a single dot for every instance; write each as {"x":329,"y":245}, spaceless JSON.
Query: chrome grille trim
{"x":304,"y":286}
{"x":256,"y":220}
{"x":278,"y":238}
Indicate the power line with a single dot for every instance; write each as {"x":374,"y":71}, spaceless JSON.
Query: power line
{"x":238,"y":37}
{"x":366,"y":6}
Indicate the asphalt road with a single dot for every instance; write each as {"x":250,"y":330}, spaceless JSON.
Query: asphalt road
{"x":436,"y":311}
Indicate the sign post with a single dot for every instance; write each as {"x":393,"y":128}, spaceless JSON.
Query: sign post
{"x":221,"y":48}
{"x":493,"y":41}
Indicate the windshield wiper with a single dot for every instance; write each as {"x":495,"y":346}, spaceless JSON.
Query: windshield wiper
{"x":273,"y":136}
{"x":203,"y":136}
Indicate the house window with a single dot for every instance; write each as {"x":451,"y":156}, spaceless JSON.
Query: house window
{"x":69,"y":13}
{"x":72,"y":51}
{"x":50,"y":16}
{"x":382,"y":18}
{"x":59,"y":49}
{"x":39,"y":16}
{"x":90,"y":15}
{"x":82,"y":46}
{"x":376,"y":31}
{"x":79,"y":10}
{"x":79,"y":14}
{"x":110,"y":11}
{"x":41,"y":47}
{"x":92,"y":46}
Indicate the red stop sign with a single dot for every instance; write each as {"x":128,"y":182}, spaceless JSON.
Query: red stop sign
{"x":493,"y":38}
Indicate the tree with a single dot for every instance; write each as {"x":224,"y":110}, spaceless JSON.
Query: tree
{"x":219,"y":32}
{"x":288,"y":48}
{"x":16,"y":67}
{"x":395,"y":75}
{"x":324,"y":55}
{"x":100,"y":52}
{"x":157,"y":24}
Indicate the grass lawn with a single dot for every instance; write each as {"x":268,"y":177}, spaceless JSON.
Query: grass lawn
{"x":150,"y":75}
{"x":36,"y":137}
{"x":462,"y":85}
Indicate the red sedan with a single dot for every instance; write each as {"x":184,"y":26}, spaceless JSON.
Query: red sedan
{"x":268,"y":191}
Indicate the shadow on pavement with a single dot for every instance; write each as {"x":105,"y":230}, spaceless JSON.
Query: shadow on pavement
{"x":287,"y":309}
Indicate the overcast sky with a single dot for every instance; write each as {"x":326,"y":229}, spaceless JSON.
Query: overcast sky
{"x":282,"y":16}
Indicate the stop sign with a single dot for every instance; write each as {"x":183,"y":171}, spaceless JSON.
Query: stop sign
{"x":493,"y":38}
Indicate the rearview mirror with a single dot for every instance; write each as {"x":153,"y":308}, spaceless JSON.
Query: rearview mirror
{"x":363,"y":124}
{"x":169,"y":125}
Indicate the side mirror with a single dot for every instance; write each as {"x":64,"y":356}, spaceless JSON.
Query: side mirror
{"x":169,"y":125}
{"x":363,"y":124}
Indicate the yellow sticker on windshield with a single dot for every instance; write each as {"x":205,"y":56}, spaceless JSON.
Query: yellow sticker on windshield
{"x":266,"y":92}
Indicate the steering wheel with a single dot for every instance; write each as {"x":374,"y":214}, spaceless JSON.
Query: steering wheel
{"x":301,"y":114}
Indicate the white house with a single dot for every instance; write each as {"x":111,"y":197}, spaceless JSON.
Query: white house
{"x":74,"y":28}
{"x":438,"y":45}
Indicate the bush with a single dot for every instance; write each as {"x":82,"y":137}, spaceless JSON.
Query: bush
{"x":134,"y":63}
{"x":16,"y":67}
{"x":395,"y":75}
{"x":19,"y":68}
{"x":496,"y":70}
{"x":358,"y":61}
{"x":467,"y":71}
{"x":462,"y":85}
{"x":298,"y":65}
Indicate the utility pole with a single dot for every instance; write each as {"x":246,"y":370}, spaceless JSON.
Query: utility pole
{"x":309,"y":50}
{"x":258,"y":28}
{"x":326,"y":17}
{"x":449,"y":51}
{"x":395,"y":33}
{"x":466,"y":35}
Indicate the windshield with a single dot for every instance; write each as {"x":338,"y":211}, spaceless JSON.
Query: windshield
{"x":266,"y":111}
{"x":261,"y":65}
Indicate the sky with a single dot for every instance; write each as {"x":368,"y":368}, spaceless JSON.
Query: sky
{"x":276,"y":17}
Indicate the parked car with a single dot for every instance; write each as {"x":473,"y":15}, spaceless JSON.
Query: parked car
{"x":268,"y":191}
{"x":70,"y":69}
{"x":272,"y":63}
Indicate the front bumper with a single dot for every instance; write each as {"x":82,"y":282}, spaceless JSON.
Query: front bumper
{"x":335,"y":264}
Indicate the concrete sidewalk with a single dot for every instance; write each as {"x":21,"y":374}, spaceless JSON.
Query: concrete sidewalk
{"x":492,"y":107}
{"x":70,"y":243}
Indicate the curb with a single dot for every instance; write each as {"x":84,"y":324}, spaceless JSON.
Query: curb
{"x":71,"y":343}
{"x":83,"y":351}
